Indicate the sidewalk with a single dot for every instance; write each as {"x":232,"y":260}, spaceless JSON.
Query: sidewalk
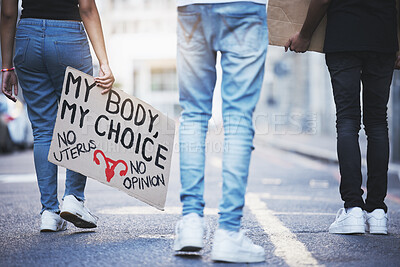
{"x":314,"y":146}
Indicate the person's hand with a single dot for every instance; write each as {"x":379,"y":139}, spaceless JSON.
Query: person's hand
{"x":397,"y":64}
{"x":105,"y":79}
{"x":298,"y":43}
{"x":8,"y":82}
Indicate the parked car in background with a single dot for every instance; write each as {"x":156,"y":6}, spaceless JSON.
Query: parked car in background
{"x":15,"y":128}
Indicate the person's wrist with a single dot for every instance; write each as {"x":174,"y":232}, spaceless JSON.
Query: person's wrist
{"x":304,"y":35}
{"x":104,"y":63}
{"x":7,"y":69}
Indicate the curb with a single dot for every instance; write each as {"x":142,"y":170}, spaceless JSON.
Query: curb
{"x":316,"y":152}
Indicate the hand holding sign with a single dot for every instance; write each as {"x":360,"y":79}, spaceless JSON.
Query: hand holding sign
{"x":105,"y":79}
{"x":114,"y":138}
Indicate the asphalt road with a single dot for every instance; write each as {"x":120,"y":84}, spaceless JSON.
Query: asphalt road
{"x":290,"y":204}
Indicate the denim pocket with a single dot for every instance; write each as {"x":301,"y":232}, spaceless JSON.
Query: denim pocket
{"x":243,"y":33}
{"x":70,"y":53}
{"x":189,"y":31}
{"x":21,"y":45}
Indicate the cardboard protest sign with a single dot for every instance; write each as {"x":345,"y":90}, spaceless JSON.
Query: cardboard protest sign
{"x":116,"y":139}
{"x":286,"y":17}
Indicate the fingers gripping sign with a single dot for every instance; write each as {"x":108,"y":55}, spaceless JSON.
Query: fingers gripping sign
{"x":298,"y":43}
{"x":106,"y":79}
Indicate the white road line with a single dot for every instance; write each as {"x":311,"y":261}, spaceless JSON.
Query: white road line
{"x":143,"y":210}
{"x":18,"y":178}
{"x":297,"y":197}
{"x":305,"y":213}
{"x":287,"y":247}
{"x":25,"y":178}
{"x":157,"y":236}
{"x":284,"y":197}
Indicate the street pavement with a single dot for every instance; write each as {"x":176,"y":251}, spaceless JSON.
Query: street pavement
{"x":291,"y":201}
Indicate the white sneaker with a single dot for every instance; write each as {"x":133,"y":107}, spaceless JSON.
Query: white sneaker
{"x":75,"y":212}
{"x":52,"y":222}
{"x":189,"y":232}
{"x":376,"y":222}
{"x":233,"y":246}
{"x":351,"y":221}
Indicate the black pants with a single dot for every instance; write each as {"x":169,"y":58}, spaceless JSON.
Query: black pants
{"x":374,"y":70}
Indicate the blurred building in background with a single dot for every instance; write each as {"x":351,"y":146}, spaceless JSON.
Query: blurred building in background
{"x":141,"y":44}
{"x":296,"y":98}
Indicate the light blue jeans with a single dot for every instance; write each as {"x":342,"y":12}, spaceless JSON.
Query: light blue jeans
{"x":239,"y":31}
{"x":44,"y":48}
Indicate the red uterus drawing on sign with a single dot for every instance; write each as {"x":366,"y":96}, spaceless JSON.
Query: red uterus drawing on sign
{"x":110,"y":169}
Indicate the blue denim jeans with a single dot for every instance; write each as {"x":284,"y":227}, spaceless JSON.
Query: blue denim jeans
{"x":239,"y":32}
{"x":44,"y":48}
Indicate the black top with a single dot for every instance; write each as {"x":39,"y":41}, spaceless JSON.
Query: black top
{"x":361,"y":25}
{"x":51,"y":9}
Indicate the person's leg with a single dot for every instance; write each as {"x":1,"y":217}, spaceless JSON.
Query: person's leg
{"x":242,"y":40}
{"x":41,"y":101}
{"x":345,"y":71}
{"x":376,"y":78}
{"x":196,"y":75}
{"x":67,"y":45}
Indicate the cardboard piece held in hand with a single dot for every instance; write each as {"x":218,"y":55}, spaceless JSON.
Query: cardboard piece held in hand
{"x":286,"y":17}
{"x":115,"y":139}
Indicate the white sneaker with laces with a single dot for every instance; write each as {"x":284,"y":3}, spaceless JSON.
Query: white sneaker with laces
{"x":189,"y":232}
{"x":231,"y":246}
{"x":376,"y":222}
{"x":75,"y":212}
{"x":351,"y":221}
{"x":52,"y":222}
